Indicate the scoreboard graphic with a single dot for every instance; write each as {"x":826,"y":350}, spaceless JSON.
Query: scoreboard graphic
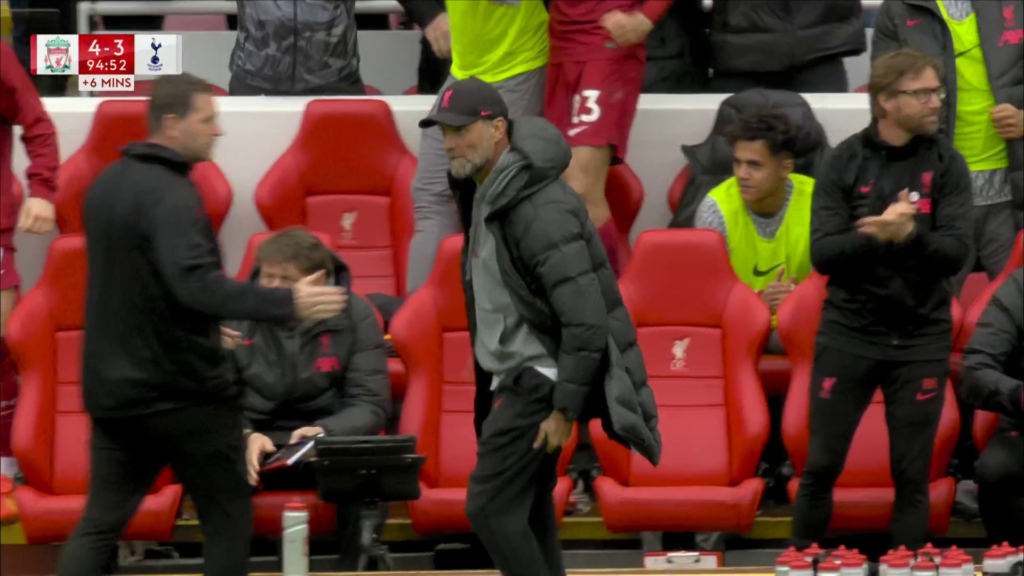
{"x":106,"y":62}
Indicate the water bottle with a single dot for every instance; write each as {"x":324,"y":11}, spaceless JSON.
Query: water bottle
{"x":899,"y":567}
{"x":853,"y":566}
{"x":801,"y":568}
{"x":295,"y":540}
{"x":952,"y":565}
{"x":828,"y":568}
{"x":784,"y":560}
{"x":925,"y":568}
{"x":996,"y":561}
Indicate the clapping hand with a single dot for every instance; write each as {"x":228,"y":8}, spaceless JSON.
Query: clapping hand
{"x":895,"y":224}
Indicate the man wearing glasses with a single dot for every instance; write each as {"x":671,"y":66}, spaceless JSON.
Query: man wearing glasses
{"x":979,"y":44}
{"x":888,"y":228}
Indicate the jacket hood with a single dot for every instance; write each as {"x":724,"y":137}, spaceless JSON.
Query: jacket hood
{"x":158,"y":154}
{"x":342,"y":274}
{"x":537,"y":155}
{"x":544,"y":148}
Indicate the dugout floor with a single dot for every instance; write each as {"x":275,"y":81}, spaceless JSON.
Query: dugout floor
{"x":41,"y":561}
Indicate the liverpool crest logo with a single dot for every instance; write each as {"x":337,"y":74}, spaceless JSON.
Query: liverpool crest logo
{"x":58,"y":55}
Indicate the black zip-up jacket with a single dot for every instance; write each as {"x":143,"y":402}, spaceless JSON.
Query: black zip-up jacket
{"x":919,"y":24}
{"x":993,"y":377}
{"x":780,"y":35}
{"x":558,"y":277}
{"x":331,"y":373}
{"x":157,"y":291}
{"x":890,"y":302}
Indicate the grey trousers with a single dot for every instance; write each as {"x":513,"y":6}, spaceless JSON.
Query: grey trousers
{"x":993,"y":232}
{"x":436,"y":214}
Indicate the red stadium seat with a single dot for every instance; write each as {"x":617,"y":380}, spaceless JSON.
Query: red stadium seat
{"x":864,"y":494}
{"x":51,"y":429}
{"x":977,"y":307}
{"x":985,"y":426}
{"x":774,"y":369}
{"x":356,"y":190}
{"x":701,"y":341}
{"x":430,"y":332}
{"x":8,"y":509}
{"x":267,"y":508}
{"x":396,"y":369}
{"x":412,"y":90}
{"x":974,"y":286}
{"x":116,"y":124}
{"x":678,"y":188}
{"x":373,"y":90}
{"x":862,"y":89}
{"x":625,"y":195}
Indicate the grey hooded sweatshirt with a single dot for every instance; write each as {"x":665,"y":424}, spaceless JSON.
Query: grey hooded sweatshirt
{"x":504,"y":343}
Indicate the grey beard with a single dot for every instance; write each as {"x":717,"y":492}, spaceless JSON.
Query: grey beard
{"x":464,"y":169}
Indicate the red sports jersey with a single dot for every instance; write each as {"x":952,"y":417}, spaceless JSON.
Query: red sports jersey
{"x":577,"y":35}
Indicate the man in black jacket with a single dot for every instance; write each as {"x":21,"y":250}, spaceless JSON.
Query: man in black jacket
{"x":154,"y":376}
{"x":303,"y":380}
{"x":552,"y":339}
{"x":794,"y":45}
{"x":993,"y":380}
{"x":889,"y":229}
{"x":979,"y":43}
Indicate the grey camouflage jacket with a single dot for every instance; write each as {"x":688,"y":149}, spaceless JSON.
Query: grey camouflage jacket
{"x":298,"y":46}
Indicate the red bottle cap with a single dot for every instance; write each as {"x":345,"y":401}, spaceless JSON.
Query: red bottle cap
{"x":786,"y":559}
{"x":828,"y":567}
{"x":296,"y":506}
{"x":899,"y":563}
{"x":951,"y":562}
{"x":800,"y":565}
{"x":995,"y":554}
{"x":925,"y":565}
{"x":853,"y":561}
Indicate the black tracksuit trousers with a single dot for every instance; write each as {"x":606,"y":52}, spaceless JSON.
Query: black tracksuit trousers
{"x":509,"y":500}
{"x":1000,"y":477}
{"x":842,"y":385}
{"x":203,"y":446}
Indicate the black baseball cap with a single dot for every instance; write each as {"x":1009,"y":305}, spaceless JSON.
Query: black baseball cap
{"x":465,"y":102}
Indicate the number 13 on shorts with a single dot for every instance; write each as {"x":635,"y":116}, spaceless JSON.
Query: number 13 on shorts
{"x":585,"y":107}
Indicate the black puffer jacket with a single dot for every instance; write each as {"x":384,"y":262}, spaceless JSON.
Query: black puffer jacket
{"x":297,"y":47}
{"x":780,"y":35}
{"x":710,"y":161}
{"x":993,"y":377}
{"x":557,"y":272}
{"x":678,"y":54}
{"x":331,"y":374}
{"x":919,"y":24}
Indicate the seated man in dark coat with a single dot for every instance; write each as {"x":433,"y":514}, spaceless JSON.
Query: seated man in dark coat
{"x":993,"y":380}
{"x":309,"y":379}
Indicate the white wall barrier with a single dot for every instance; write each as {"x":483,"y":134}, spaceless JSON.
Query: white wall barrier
{"x":257,"y":130}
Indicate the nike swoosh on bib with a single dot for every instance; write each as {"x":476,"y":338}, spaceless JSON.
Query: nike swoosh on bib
{"x":760,"y":273}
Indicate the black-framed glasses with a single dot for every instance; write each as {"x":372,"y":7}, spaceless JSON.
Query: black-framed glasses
{"x":924,"y":95}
